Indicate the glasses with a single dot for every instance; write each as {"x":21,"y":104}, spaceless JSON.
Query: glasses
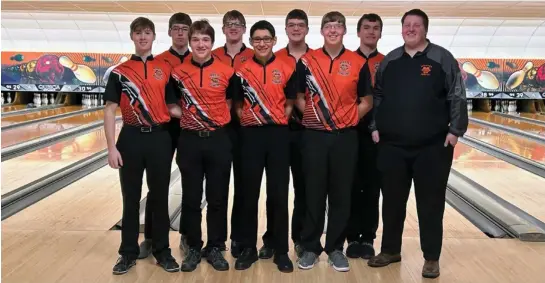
{"x":233,"y":25}
{"x":178,"y":29}
{"x":300,"y":25}
{"x":266,"y":40}
{"x":333,"y":26}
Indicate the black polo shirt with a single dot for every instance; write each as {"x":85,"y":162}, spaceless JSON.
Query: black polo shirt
{"x":419,"y":99}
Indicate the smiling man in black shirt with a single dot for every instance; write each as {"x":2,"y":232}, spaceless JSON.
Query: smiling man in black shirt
{"x":420,"y":111}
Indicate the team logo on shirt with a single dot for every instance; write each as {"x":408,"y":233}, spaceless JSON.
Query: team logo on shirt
{"x":214,"y":80}
{"x":276,"y":77}
{"x":243,"y":59}
{"x":426,"y":70}
{"x":344,"y":68}
{"x":158,"y":74}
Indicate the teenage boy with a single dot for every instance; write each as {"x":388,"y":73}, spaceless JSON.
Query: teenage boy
{"x":339,"y":95}
{"x":364,"y":215}
{"x":140,"y":86}
{"x":234,"y":53}
{"x":296,"y":29}
{"x":264,"y":103}
{"x":204,"y":148}
{"x":420,"y":113}
{"x":178,"y":29}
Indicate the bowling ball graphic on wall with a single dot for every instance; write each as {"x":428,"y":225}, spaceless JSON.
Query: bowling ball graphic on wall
{"x":48,"y":69}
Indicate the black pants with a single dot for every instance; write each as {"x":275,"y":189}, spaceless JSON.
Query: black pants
{"x":329,"y":162}
{"x":364,"y":215}
{"x":200,"y":156}
{"x":144,"y":151}
{"x":236,"y":212}
{"x":174,"y":130}
{"x":429,"y":167}
{"x":266,"y":148}
{"x":299,"y":202}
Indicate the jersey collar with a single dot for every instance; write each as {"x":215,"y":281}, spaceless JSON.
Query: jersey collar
{"x":288,"y":49}
{"x":371,"y":55}
{"x":340,"y":53}
{"x":180,"y":56}
{"x":206,"y":64}
{"x":138,"y":58}
{"x":241,"y":49}
{"x":266,"y":63}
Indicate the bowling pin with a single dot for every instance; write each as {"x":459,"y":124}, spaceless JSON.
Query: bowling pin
{"x":2,"y":98}
{"x":82,"y":72}
{"x":44,"y":98}
{"x":51,"y":98}
{"x":485,"y":78}
{"x":9,"y":97}
{"x":516,"y":78}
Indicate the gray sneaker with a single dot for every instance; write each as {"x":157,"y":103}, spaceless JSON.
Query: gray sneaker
{"x":338,"y":260}
{"x":308,"y":260}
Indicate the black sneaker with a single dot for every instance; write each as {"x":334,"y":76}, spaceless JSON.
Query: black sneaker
{"x":191,"y":260}
{"x":246,"y":259}
{"x":236,"y":249}
{"x":123,"y":264}
{"x":283,"y":262}
{"x":204,"y":251}
{"x":216,"y":259}
{"x":145,"y":249}
{"x":168,"y":263}
{"x":266,"y":252}
{"x":367,"y":250}
{"x":354,"y":250}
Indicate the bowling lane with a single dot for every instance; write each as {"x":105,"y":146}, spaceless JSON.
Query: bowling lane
{"x":517,"y":186}
{"x":538,"y":117}
{"x":39,"y":114}
{"x":27,"y":168}
{"x":25,"y":133}
{"x":93,"y":203}
{"x":509,"y":122}
{"x":13,"y":108}
{"x":518,"y":145}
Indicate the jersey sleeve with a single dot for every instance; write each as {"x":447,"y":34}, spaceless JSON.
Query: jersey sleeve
{"x":301,"y":82}
{"x":364,"y":81}
{"x":172,"y":96}
{"x":291,"y":86}
{"x":234,"y":88}
{"x":113,"y":88}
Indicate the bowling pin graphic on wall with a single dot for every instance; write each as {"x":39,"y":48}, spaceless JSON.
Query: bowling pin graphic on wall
{"x":516,"y":78}
{"x":486,"y":79}
{"x":82,"y":72}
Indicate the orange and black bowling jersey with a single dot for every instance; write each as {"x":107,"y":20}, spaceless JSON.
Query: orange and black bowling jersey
{"x":264,"y":90}
{"x":204,"y":91}
{"x":334,"y":87}
{"x":373,"y":61}
{"x":173,"y":58}
{"x":285,"y":55}
{"x":244,"y":55}
{"x":141,"y":90}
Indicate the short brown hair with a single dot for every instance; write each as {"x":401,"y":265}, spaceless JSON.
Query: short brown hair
{"x":334,"y":16}
{"x":179,"y":18}
{"x":141,"y":23}
{"x":371,"y":18}
{"x":234,"y":15}
{"x":202,"y":27}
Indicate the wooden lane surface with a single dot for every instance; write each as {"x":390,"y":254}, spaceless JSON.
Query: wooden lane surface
{"x":517,"y":186}
{"x":32,"y":166}
{"x":519,"y":145}
{"x":25,"y":133}
{"x":91,"y":203}
{"x":533,"y":116}
{"x":39,"y":114}
{"x":509,"y":122}
{"x":10,"y":108}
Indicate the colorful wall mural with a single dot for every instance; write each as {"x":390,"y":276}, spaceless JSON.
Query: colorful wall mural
{"x":88,"y":72}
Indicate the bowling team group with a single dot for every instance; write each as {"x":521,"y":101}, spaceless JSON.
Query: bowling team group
{"x":349,"y":125}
